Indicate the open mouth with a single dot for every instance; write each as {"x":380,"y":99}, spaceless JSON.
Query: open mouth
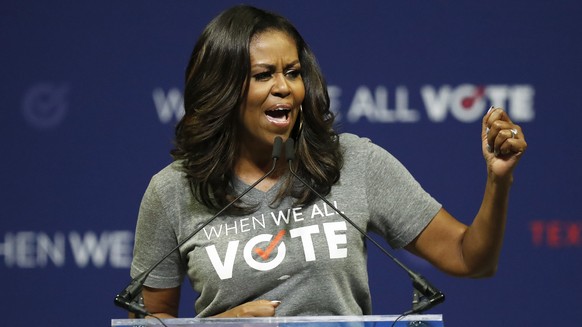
{"x":278,"y":115}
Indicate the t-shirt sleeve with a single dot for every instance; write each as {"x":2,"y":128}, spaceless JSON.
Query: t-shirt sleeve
{"x":400,"y":208}
{"x":154,"y":238}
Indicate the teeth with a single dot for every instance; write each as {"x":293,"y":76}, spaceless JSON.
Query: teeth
{"x":279,"y":114}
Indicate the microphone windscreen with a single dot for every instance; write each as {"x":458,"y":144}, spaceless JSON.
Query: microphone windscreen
{"x":290,"y":149}
{"x":277,"y":147}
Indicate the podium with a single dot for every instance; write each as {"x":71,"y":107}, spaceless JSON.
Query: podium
{"x":432,"y":320}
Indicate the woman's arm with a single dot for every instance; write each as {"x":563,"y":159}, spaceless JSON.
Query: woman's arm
{"x":162,"y":302}
{"x":474,"y":250}
{"x":259,"y":308}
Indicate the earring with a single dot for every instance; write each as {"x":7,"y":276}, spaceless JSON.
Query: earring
{"x":300,"y":119}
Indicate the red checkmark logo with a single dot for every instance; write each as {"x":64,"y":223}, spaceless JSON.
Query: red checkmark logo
{"x":267,"y":252}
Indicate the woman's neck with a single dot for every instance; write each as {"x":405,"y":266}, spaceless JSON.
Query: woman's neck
{"x":250,"y":167}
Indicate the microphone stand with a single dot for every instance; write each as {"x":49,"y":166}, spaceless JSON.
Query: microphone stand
{"x":126,"y":298}
{"x":425,"y":295}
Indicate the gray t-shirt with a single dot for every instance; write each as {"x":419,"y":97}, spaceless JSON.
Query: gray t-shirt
{"x":308,"y":257}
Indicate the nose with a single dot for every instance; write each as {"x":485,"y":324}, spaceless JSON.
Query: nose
{"x":280,"y":86}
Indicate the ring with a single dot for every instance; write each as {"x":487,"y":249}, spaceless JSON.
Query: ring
{"x":513,"y":133}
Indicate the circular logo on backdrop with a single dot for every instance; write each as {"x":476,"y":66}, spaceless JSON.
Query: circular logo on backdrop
{"x":45,"y":105}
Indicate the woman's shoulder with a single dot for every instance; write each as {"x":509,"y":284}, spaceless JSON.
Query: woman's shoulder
{"x":352,"y":143}
{"x":361,"y":150}
{"x":169,"y":177}
{"x":348,"y":139}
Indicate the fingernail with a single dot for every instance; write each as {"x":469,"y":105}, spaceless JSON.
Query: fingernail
{"x":487,"y":131}
{"x":489,"y":148}
{"x":276,"y":302}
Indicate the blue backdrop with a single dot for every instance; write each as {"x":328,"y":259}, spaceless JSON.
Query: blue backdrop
{"x":91,"y":92}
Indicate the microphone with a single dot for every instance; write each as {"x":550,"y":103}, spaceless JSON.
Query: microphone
{"x":425,"y":295}
{"x":126,"y":298}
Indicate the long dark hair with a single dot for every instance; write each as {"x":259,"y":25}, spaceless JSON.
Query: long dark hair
{"x":215,"y":89}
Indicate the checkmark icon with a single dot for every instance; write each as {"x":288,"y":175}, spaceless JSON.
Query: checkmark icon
{"x":266,"y":253}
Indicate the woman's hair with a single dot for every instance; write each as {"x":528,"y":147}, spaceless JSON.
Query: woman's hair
{"x":216,"y":87}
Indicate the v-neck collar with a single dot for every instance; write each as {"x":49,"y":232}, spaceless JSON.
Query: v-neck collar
{"x":256,"y":194}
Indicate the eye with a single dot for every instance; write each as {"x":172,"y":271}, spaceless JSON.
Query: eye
{"x":262,"y":76}
{"x":293,"y":73}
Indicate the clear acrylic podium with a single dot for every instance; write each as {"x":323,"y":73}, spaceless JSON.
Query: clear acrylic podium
{"x":432,"y":320}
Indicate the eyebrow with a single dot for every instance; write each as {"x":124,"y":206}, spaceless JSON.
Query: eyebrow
{"x":272,"y":67}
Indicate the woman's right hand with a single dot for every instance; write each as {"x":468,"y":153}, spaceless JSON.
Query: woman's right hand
{"x":259,"y":308}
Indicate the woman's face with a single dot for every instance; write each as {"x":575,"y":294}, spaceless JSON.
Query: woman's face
{"x":275,"y":92}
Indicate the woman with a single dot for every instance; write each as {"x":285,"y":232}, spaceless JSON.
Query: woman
{"x":280,"y":250}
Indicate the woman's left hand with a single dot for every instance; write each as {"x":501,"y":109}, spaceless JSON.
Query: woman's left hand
{"x":503,"y":143}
